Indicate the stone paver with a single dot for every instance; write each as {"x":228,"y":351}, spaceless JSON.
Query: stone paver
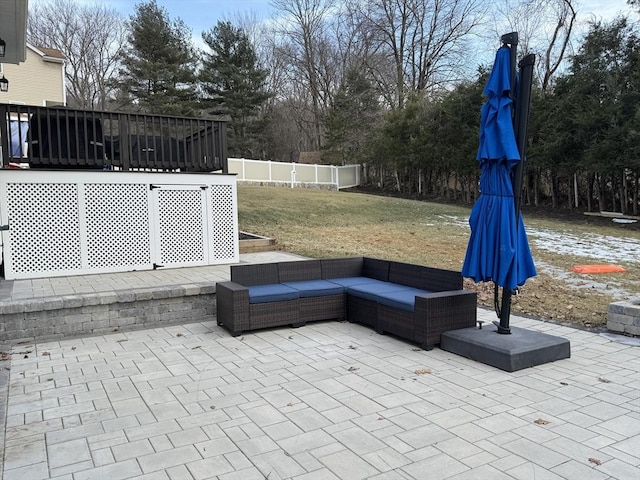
{"x":192,"y":402}
{"x":156,"y":411}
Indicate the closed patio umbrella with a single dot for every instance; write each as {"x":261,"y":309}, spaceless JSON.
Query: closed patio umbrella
{"x":498,"y":248}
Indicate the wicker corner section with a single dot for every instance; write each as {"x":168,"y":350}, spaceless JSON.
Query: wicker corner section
{"x":341,"y":267}
{"x":448,"y":308}
{"x":376,"y":268}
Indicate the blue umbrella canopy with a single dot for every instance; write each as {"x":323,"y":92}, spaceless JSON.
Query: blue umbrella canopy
{"x":498,"y":248}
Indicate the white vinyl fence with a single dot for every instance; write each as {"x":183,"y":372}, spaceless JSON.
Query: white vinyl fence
{"x":71,"y":222}
{"x":295,"y":174}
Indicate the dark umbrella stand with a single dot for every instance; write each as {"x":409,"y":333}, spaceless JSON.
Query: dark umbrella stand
{"x":498,"y":249}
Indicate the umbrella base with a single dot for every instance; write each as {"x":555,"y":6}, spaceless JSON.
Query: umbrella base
{"x":522,"y":349}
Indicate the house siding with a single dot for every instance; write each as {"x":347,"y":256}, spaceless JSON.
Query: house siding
{"x":34,"y":82}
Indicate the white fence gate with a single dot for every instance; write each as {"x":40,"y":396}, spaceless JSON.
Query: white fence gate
{"x":65,"y":223}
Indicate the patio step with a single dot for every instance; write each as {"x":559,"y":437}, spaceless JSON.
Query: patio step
{"x":57,"y":317}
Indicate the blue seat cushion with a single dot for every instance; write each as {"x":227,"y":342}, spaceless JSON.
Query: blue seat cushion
{"x":352,"y":281}
{"x":315,"y":288}
{"x":401,"y":299}
{"x":370,"y":291}
{"x":274,"y":292}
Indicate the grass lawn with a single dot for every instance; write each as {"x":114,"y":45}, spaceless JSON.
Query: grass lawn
{"x":321,"y":224}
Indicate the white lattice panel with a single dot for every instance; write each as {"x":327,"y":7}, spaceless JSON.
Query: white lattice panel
{"x":181,"y":225}
{"x":45,"y":228}
{"x":117,"y":225}
{"x":223,"y":227}
{"x":71,"y":222}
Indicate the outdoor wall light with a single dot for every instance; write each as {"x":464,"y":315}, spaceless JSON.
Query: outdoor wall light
{"x":4,"y":84}
{"x":3,"y":47}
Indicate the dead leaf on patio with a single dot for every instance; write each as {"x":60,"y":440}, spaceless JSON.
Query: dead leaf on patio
{"x":380,"y":417}
{"x":353,"y":347}
{"x":180,"y":335}
{"x":422,"y":371}
{"x":196,"y":347}
{"x":46,"y":354}
{"x":123,"y":340}
{"x":352,"y":369}
{"x":212,"y":407}
{"x":595,"y":460}
{"x":604,"y":380}
{"x":541,"y":421}
{"x":73,"y":348}
{"x":5,"y":356}
{"x":564,"y":383}
{"x":289,"y":404}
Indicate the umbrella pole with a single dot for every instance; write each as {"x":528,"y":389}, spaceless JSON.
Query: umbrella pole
{"x":521,"y":127}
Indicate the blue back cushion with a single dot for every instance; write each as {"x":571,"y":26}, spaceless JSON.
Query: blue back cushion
{"x":271,"y":293}
{"x":315,"y":288}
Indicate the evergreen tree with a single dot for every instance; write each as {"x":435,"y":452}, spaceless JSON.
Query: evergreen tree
{"x":589,"y":125}
{"x":234,"y":85}
{"x":351,"y":119}
{"x":160,"y":63}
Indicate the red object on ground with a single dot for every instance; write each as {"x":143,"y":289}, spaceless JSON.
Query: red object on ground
{"x":598,"y":269}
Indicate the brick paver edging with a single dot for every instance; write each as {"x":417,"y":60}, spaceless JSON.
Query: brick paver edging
{"x":98,"y":313}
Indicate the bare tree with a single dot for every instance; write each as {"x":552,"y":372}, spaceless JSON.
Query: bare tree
{"x":308,"y":50}
{"x":91,"y":38}
{"x":423,"y":40}
{"x":544,"y":27}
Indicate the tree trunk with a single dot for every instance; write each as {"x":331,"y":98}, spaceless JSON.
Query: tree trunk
{"x":590,"y":193}
{"x":622,"y":192}
{"x":600,"y":193}
{"x":554,"y":188}
{"x":636,"y":195}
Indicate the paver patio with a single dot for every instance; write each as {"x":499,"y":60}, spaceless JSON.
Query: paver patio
{"x":330,"y":400}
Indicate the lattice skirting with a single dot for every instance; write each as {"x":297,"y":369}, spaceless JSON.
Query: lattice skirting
{"x":62,"y":223}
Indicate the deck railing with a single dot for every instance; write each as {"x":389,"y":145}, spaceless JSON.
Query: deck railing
{"x":65,"y":138}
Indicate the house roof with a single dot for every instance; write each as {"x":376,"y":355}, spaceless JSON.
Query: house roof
{"x":48,"y":54}
{"x":51,"y":52}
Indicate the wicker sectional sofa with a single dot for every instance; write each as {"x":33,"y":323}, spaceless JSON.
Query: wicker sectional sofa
{"x":414,"y":302}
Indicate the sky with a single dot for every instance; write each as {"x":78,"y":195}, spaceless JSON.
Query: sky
{"x":204,"y":14}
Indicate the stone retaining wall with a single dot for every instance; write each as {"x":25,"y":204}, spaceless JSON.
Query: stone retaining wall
{"x":624,"y":317}
{"x":99,"y":313}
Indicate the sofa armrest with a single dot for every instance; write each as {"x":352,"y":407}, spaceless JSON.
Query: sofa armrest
{"x":232,"y":306}
{"x":444,"y":311}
